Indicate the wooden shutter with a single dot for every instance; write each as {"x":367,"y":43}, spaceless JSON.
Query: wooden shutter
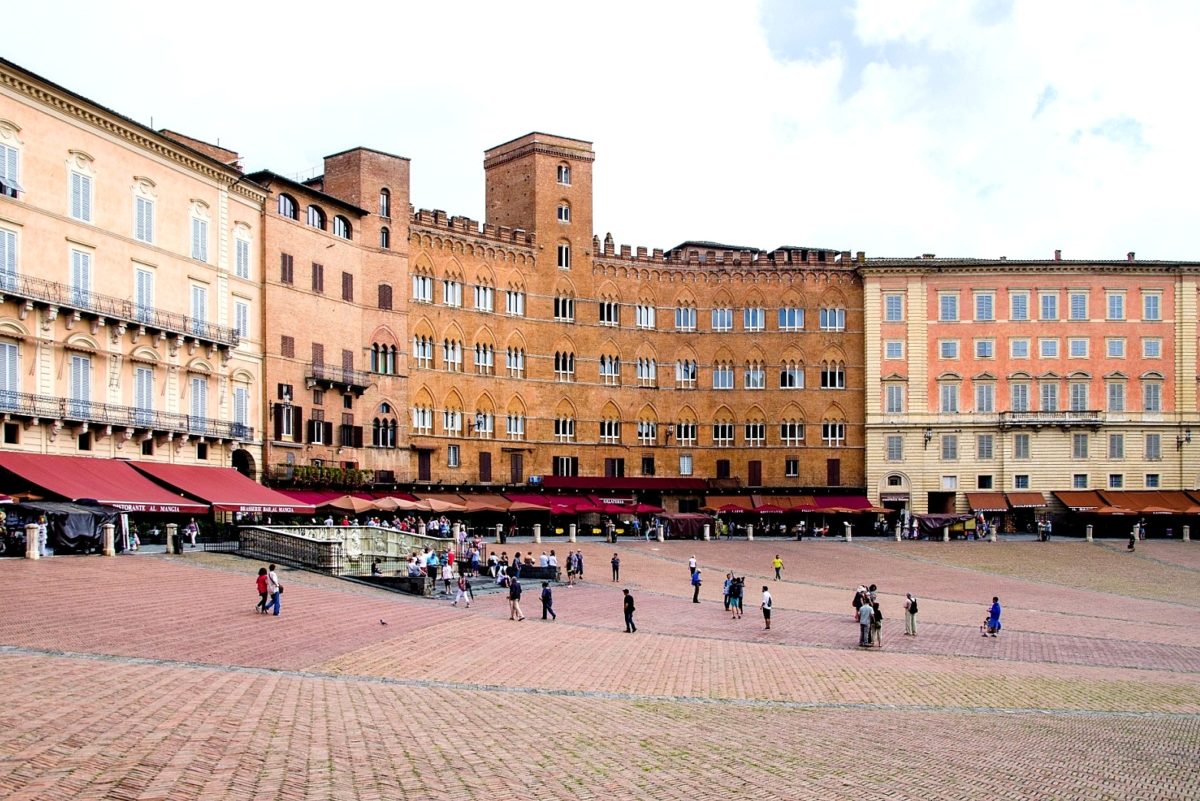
{"x":356,"y":438}
{"x":310,"y":432}
{"x":297,"y":420}
{"x":833,"y":472}
{"x":318,"y":353}
{"x":755,"y":471}
{"x":327,"y":430}
{"x":277,"y":415}
{"x":347,"y":287}
{"x":8,"y":259}
{"x":516,"y":468}
{"x":424,"y":460}
{"x":318,"y":277}
{"x":347,"y":360}
{"x":9,"y":373}
{"x":485,"y":467}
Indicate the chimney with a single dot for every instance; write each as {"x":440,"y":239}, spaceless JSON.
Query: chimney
{"x":1058,"y":255}
{"x":1130,"y":256}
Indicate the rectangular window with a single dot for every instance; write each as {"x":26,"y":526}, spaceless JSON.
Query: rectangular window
{"x":287,"y":273}
{"x":1077,"y":347}
{"x":143,"y":287}
{"x":8,"y":258}
{"x":1020,"y":446}
{"x":895,"y":448}
{"x":1152,"y":481}
{"x":1049,"y":397}
{"x":1079,"y":446}
{"x":241,"y":318}
{"x":983,"y":482}
{"x":1116,"y":481}
{"x":833,"y":319}
{"x":1021,"y":481}
{"x":1114,"y":347}
{"x":1116,"y":446}
{"x":754,"y":319}
{"x":453,"y":456}
{"x":485,"y":299}
{"x":347,"y":287}
{"x":647,"y":434}
{"x":685,"y":375}
{"x":791,"y":468}
{"x":893,"y":349}
{"x":1048,"y":348}
{"x":143,"y":219}
{"x":791,"y":319}
{"x":422,"y":289}
{"x":755,"y":376}
{"x":685,"y":319}
{"x":514,"y":426}
{"x":564,"y":257}
{"x":686,"y":433}
{"x":10,"y":174}
{"x":81,"y":197}
{"x":610,"y":313}
{"x":514,"y":303}
{"x":1078,"y":302}
{"x":287,"y":346}
{"x":566,"y":465}
{"x":985,"y":348}
{"x":1079,"y":396}
{"x":723,"y":435}
{"x":1079,"y":481}
{"x":1019,"y":397}
{"x":948,"y":307}
{"x":1152,"y":397}
{"x":791,"y":432}
{"x":893,"y":308}
{"x":318,"y":278}
{"x":985,"y":397}
{"x":949,"y":447}
{"x":756,"y":434}
{"x":1116,"y":306}
{"x":948,"y":397}
{"x":985,"y":306}
{"x":1153,"y":447}
{"x":722,"y":319}
{"x":1116,"y":396}
{"x":1018,"y":306}
{"x":564,"y":309}
{"x":949,"y":482}
{"x":199,"y":239}
{"x":1151,"y":306}
{"x":199,"y":310}
{"x":685,"y":464}
{"x":1018,"y":348}
{"x":1048,"y":302}
{"x":833,"y":435}
{"x":894,"y":399}
{"x":645,"y":317}
{"x":984,"y":446}
{"x":722,"y":376}
{"x":610,"y":431}
{"x":241,"y":258}
{"x":81,"y":277}
{"x":948,"y":348}
{"x":143,"y":395}
{"x":1152,"y":348}
{"x":451,"y":293}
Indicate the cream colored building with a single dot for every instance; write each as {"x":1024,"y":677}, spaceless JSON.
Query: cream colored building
{"x":1028,"y":377}
{"x":129,"y":264}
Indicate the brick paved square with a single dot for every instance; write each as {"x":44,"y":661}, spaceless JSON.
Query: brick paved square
{"x":150,"y":677}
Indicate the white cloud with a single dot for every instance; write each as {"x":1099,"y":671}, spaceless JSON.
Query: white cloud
{"x":704,"y":125}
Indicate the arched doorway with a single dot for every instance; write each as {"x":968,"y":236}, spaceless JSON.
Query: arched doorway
{"x":243,"y":462}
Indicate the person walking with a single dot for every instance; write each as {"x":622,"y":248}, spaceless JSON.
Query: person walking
{"x":44,"y":536}
{"x":263,"y":592}
{"x":725,"y":589}
{"x":737,"y":588}
{"x":275,"y":589}
{"x":579,"y":565}
{"x":777,"y":563}
{"x":616,"y":566}
{"x":696,"y":586}
{"x":1132,"y":539}
{"x":464,"y":591}
{"x":692,"y":565}
{"x":629,"y":608}
{"x":547,"y":602}
{"x":876,"y":625}
{"x":766,"y":606}
{"x":865,"y":613}
{"x":993,"y":621}
{"x":514,"y":599}
{"x":910,"y":614}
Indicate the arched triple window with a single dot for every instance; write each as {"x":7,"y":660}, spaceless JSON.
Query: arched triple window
{"x":383,"y":427}
{"x":564,"y":366}
{"x":383,"y":359}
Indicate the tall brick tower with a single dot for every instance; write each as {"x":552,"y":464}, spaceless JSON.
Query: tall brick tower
{"x":543,"y":184}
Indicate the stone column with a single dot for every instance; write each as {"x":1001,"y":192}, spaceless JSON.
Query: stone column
{"x":849,"y":533}
{"x":899,"y":530}
{"x":662,"y":534}
{"x":572,"y":532}
{"x":994,"y":533}
{"x":1089,"y":532}
{"x":537,"y":532}
{"x":172,"y":536}
{"x":707,"y":532}
{"x":110,"y":548}
{"x":1187,"y":533}
{"x":499,"y":532}
{"x":455,"y":530}
{"x":31,"y":542}
{"x":750,"y":532}
{"x":945,"y":533}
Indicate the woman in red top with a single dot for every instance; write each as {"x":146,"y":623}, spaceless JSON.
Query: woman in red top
{"x":262,"y":591}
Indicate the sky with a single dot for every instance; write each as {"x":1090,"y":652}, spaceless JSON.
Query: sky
{"x":978,"y":128}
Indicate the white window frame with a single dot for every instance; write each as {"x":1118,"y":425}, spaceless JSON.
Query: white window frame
{"x":722,"y":318}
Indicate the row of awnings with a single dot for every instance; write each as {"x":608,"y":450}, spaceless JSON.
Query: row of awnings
{"x":1132,"y":502}
{"x":441,"y":503}
{"x":778,"y":504}
{"x":1004,"y":501}
{"x":146,"y":486}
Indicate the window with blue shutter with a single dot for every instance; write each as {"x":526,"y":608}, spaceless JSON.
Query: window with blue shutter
{"x":8,"y":259}
{"x":81,"y":197}
{"x":79,"y":388}
{"x":143,"y":223}
{"x":143,"y":395}
{"x":199,"y":239}
{"x":144,"y":295}
{"x":81,"y":277}
{"x":9,"y":375}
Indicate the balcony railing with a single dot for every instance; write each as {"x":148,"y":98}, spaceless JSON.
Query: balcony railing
{"x":54,"y":294}
{"x":46,"y":407}
{"x":353,"y":380}
{"x":1089,"y":417}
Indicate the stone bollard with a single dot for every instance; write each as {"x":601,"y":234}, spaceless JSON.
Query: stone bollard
{"x":945,"y":533}
{"x":31,"y":542}
{"x":1187,"y":533}
{"x":499,"y":532}
{"x":110,"y":547}
{"x":662,"y":534}
{"x":572,"y":531}
{"x":899,"y":531}
{"x":1088,"y":531}
{"x":455,"y":530}
{"x":172,"y":537}
{"x":707,"y":532}
{"x":849,"y":534}
{"x":750,"y":532}
{"x":537,"y":532}
{"x":995,"y":530}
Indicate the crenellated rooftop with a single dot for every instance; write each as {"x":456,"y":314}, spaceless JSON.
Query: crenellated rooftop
{"x":436,"y":218}
{"x":713,"y":254}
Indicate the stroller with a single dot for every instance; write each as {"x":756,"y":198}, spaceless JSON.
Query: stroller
{"x":986,"y":628}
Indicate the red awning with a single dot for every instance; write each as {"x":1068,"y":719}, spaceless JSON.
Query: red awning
{"x":851,"y":503}
{"x":223,"y":487}
{"x":987,"y":502}
{"x":728,"y":503}
{"x":1025,"y":500}
{"x":1080,"y":500}
{"x":111,"y":482}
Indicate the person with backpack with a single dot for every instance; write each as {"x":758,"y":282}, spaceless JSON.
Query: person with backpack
{"x":767,"y":603}
{"x":547,"y":602}
{"x":910,"y":614}
{"x":514,"y":599}
{"x":736,"y":590}
{"x":876,"y":625}
{"x":696,"y":586}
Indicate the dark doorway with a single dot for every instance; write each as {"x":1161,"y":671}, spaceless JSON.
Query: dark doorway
{"x":243,"y":462}
{"x":941,"y":503}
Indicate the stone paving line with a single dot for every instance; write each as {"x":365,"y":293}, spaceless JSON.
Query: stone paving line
{"x":152,"y":732}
